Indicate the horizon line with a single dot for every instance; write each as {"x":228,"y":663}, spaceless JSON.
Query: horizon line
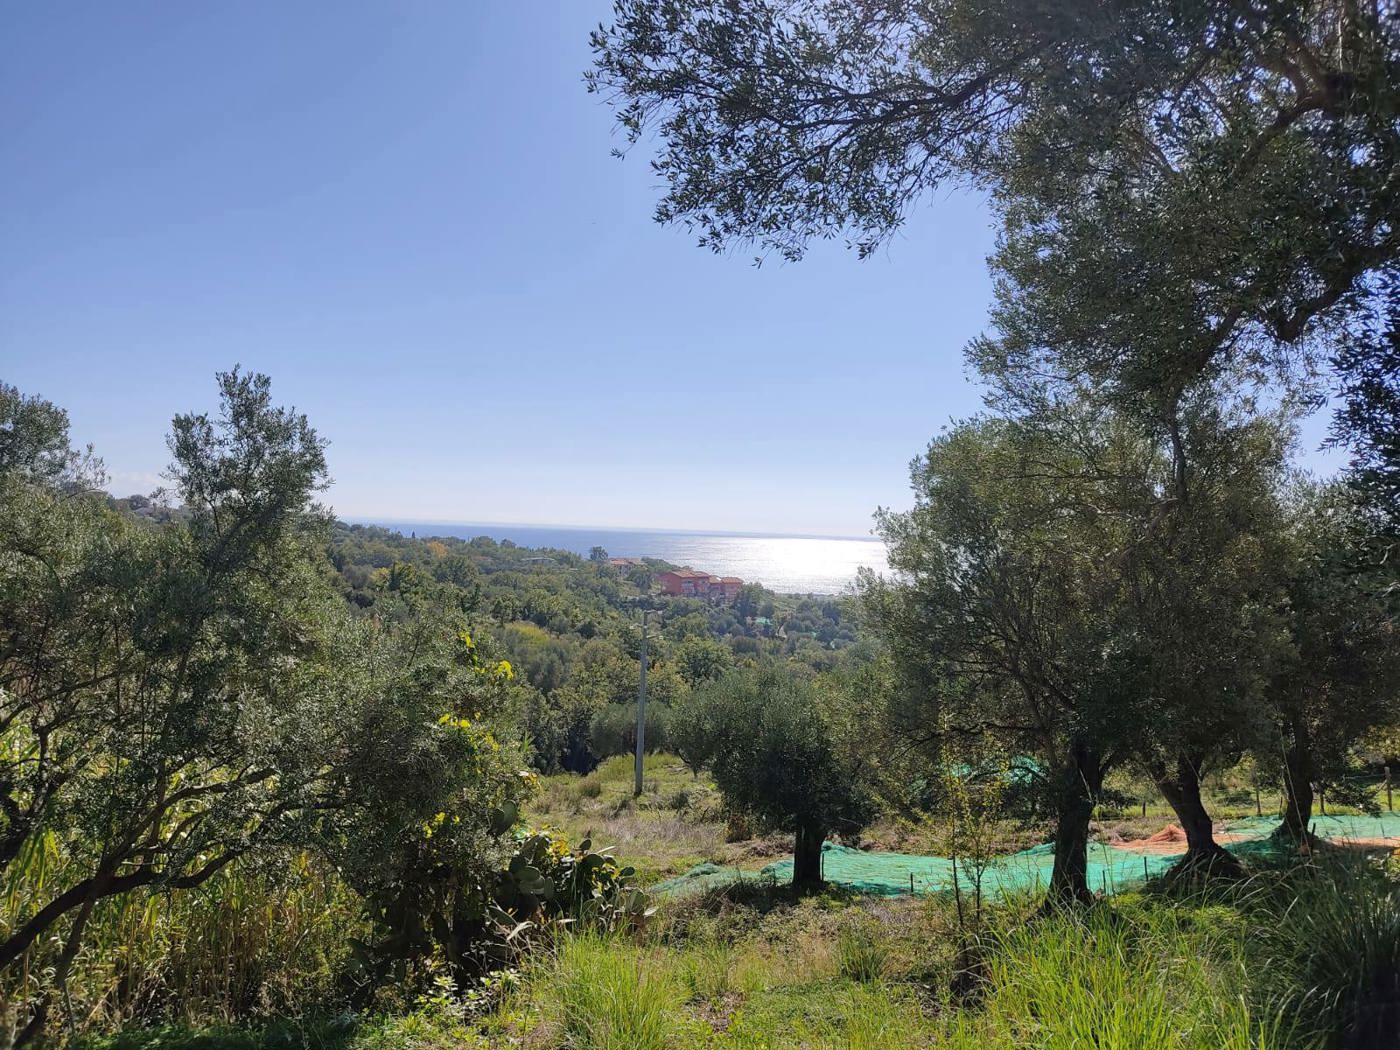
{"x":361,"y":519}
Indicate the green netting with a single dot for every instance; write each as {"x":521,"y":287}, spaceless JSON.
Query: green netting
{"x":892,"y":874}
{"x":1110,"y":868}
{"x":1348,"y":827}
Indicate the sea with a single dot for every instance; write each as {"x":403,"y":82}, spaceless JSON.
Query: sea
{"x":786,"y":564}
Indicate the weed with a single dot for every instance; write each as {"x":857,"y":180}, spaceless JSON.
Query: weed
{"x":610,"y":998}
{"x":860,"y":953}
{"x":708,"y":972}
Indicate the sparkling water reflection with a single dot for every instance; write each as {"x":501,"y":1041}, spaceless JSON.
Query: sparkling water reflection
{"x":786,"y":564}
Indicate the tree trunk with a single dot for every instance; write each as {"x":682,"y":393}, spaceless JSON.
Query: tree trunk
{"x":33,"y":1032}
{"x":807,"y":857}
{"x":1181,"y":787}
{"x":1069,"y":878}
{"x":1297,"y":785}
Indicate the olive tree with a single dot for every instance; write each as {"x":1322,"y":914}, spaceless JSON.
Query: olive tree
{"x":1047,"y":602}
{"x":1209,"y":607}
{"x":155,"y":698}
{"x":1180,"y":186}
{"x":176,"y":698}
{"x":1342,"y":676}
{"x":766,"y":740}
{"x":1002,"y":617}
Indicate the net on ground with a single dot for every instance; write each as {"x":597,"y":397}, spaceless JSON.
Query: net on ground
{"x":1111,"y":867}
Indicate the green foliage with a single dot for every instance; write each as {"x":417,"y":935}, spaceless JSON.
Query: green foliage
{"x":34,"y":440}
{"x":1368,"y":422}
{"x":265,"y":937}
{"x":1051,"y":605}
{"x":1341,"y":676}
{"x":612,"y":1000}
{"x":144,"y":697}
{"x":546,"y":877}
{"x":567,"y":626}
{"x":701,"y":659}
{"x":184,"y":700}
{"x":613,"y":730}
{"x":766,"y":741}
{"x":861,"y":954}
{"x":1181,"y":190}
{"x":971,"y":801}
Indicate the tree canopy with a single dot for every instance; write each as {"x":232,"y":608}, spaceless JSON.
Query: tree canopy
{"x":769,"y":746}
{"x":1048,"y":604}
{"x":1183,"y":189}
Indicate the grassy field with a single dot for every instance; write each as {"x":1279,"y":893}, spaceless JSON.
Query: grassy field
{"x":678,"y":821}
{"x":754,"y":968}
{"x":1283,"y":961}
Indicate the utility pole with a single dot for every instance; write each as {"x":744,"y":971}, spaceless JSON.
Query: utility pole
{"x":641,"y":711}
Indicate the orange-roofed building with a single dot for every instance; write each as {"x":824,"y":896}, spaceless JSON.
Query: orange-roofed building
{"x":687,"y":583}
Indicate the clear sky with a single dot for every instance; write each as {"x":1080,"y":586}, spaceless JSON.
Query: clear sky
{"x":408,"y":216}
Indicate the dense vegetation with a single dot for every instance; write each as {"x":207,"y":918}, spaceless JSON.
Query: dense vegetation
{"x":283,"y":779}
{"x":238,"y":732}
{"x":569,"y":627}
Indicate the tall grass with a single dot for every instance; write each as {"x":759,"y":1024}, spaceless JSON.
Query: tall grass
{"x":1329,"y":934}
{"x":609,"y":996}
{"x":250,"y":943}
{"x":871,"y":1019}
{"x":709,"y":971}
{"x":1117,"y":977}
{"x":861,"y":953}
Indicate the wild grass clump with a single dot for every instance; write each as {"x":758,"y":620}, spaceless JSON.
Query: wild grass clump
{"x":861,"y":953}
{"x":609,"y":996}
{"x":1115,"y":977}
{"x":1328,"y":933}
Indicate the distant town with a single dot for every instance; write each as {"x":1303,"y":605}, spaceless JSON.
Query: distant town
{"x":690,"y":583}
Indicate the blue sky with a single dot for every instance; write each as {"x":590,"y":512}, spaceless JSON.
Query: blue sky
{"x":408,"y":216}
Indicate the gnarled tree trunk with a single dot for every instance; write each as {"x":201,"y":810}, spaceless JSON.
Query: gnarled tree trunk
{"x":1180,"y":785}
{"x":1082,"y":780}
{"x":1298,"y":775}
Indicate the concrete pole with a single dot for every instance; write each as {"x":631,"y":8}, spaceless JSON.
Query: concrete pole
{"x":641,"y":712}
